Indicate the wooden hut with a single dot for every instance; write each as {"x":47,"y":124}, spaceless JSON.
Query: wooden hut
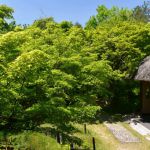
{"x":143,"y":75}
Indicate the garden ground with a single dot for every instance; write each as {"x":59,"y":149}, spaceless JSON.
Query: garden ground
{"x":104,"y":139}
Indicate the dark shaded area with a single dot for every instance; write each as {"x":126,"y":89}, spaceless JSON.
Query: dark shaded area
{"x":125,"y":97}
{"x":145,"y":120}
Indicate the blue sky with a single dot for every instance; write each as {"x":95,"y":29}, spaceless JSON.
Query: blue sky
{"x":26,"y":11}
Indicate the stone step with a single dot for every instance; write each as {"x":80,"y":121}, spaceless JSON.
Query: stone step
{"x":121,"y":133}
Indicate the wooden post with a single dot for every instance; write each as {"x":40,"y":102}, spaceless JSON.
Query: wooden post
{"x":58,"y":137}
{"x":85,"y":128}
{"x":71,"y":146}
{"x":93,"y":141}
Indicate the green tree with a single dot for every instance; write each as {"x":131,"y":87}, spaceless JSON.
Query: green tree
{"x":109,"y":16}
{"x":65,"y":25}
{"x":41,"y":23}
{"x":142,"y":13}
{"x":7,"y":22}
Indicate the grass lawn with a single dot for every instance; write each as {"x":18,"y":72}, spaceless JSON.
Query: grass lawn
{"x":106,"y":141}
{"x":103,"y":138}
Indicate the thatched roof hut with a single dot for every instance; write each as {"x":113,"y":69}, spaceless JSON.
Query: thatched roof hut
{"x":143,"y":73}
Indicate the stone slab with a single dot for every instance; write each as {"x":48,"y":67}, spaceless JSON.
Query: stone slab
{"x":121,"y":133}
{"x":140,"y":128}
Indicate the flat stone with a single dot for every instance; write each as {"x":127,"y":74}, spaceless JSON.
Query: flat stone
{"x":140,"y":128}
{"x":148,"y":138}
{"x":121,"y":133}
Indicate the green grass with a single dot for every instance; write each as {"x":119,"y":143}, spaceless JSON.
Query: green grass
{"x":105,"y":140}
{"x":103,"y":137}
{"x":34,"y":141}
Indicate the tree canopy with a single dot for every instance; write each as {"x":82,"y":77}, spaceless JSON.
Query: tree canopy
{"x":61,"y":72}
{"x":6,"y":14}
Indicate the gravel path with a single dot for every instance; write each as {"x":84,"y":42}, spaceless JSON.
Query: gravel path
{"x":121,"y":133}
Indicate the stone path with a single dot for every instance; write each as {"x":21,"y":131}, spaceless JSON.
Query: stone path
{"x":121,"y":133}
{"x":141,"y":129}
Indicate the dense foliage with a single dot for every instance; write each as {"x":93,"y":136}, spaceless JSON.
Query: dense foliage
{"x":60,"y":72}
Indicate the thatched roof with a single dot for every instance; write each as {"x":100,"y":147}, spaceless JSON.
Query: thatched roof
{"x":143,"y":73}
